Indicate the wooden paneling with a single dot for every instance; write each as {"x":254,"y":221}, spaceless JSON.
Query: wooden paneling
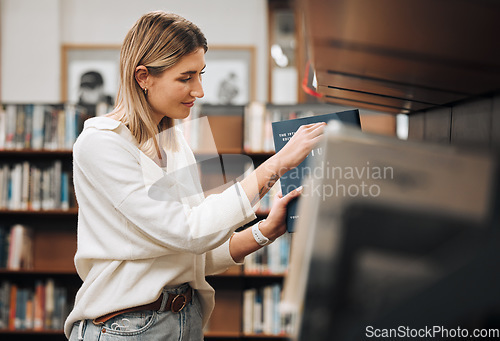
{"x":382,"y":124}
{"x":382,"y":101}
{"x":495,"y":123}
{"x":471,"y":123}
{"x":408,"y":94}
{"x":54,"y":250}
{"x":227,"y":314}
{"x":416,"y":127}
{"x":437,"y":126}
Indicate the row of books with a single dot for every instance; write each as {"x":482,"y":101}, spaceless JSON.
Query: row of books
{"x":272,"y":259}
{"x":35,"y":186}
{"x":16,"y":247}
{"x":261,"y":311}
{"x":42,"y":306}
{"x":40,"y":126}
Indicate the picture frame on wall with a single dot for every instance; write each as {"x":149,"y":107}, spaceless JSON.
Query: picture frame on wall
{"x":90,"y":75}
{"x":229,"y":77}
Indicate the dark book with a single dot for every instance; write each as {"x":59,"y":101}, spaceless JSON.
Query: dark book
{"x":283,"y":131}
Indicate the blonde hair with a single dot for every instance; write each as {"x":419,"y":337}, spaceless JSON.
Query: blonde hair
{"x":158,"y":40}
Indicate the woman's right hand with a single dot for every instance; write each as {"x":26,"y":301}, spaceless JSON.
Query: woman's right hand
{"x":300,"y":145}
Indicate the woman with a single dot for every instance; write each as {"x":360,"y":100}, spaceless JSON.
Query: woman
{"x":146,"y":239}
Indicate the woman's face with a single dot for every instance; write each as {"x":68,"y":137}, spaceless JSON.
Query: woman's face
{"x":173,"y":93}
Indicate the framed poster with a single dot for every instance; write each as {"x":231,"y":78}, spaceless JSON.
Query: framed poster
{"x":229,"y":77}
{"x":90,"y":73}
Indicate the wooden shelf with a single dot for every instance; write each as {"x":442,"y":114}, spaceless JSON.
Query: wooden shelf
{"x":71,"y":212}
{"x":31,"y":332}
{"x":264,"y":336}
{"x":258,"y":154}
{"x":263,"y":275}
{"x":38,"y":272}
{"x":232,"y":335}
{"x":222,"y":335}
{"x":421,"y":57}
{"x":255,"y":154}
{"x":36,"y":152}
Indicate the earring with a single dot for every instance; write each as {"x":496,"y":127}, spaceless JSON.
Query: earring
{"x":145,"y":91}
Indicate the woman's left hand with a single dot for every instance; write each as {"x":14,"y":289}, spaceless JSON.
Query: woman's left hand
{"x":275,"y":223}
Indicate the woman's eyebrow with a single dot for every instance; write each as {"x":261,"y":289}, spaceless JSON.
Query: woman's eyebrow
{"x":192,"y":72}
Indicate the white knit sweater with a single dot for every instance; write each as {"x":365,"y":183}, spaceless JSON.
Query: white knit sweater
{"x":141,"y":227}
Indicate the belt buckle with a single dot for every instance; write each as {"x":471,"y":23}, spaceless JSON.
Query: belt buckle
{"x":184,"y":300}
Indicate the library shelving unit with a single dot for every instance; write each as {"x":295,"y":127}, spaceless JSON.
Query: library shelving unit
{"x":53,"y":240}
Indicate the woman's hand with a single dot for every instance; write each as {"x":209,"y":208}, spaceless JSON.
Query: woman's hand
{"x":243,"y":243}
{"x":300,"y":145}
{"x":275,"y":223}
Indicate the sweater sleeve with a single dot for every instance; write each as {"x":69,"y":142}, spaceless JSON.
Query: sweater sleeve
{"x":156,"y":220}
{"x":219,"y":259}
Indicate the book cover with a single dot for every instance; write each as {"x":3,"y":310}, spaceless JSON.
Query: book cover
{"x":283,"y":131}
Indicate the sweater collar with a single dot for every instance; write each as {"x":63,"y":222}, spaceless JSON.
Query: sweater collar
{"x":107,"y":123}
{"x":102,"y":123}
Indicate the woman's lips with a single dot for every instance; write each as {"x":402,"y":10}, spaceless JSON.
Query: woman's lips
{"x":188,"y":104}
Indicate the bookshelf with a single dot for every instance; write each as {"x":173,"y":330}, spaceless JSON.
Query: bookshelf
{"x":36,"y":196}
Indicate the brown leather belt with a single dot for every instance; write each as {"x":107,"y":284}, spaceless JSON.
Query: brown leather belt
{"x":175,"y":303}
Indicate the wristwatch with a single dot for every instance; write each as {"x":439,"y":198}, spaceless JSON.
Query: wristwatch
{"x":258,"y":236}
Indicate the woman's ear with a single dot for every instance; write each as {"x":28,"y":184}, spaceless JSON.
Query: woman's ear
{"x":141,"y":76}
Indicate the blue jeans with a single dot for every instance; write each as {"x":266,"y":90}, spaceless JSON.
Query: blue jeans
{"x":147,"y":325}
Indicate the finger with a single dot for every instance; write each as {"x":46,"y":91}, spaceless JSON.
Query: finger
{"x":320,"y":127}
{"x":293,"y":194}
{"x":314,"y":126}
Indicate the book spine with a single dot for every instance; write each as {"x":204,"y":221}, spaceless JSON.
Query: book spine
{"x":28,"y":320}
{"x":25,"y":185}
{"x":10,"y":126}
{"x":4,"y":304}
{"x":49,"y":303}
{"x":15,"y":187}
{"x":4,"y":171}
{"x":56,"y":183}
{"x":39,"y":308}
{"x":257,"y":312}
{"x":28,"y":126}
{"x":248,"y":313}
{"x":3,"y":127}
{"x":70,"y":133}
{"x":20,"y":127}
{"x":12,"y":307}
{"x":60,"y":129}
{"x":267,"y":310}
{"x":65,"y":191}
{"x":38,"y":127}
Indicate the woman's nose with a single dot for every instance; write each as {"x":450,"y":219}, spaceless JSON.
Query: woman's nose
{"x":197,"y":91}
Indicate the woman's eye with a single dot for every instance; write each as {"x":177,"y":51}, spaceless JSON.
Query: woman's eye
{"x":185,"y":80}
